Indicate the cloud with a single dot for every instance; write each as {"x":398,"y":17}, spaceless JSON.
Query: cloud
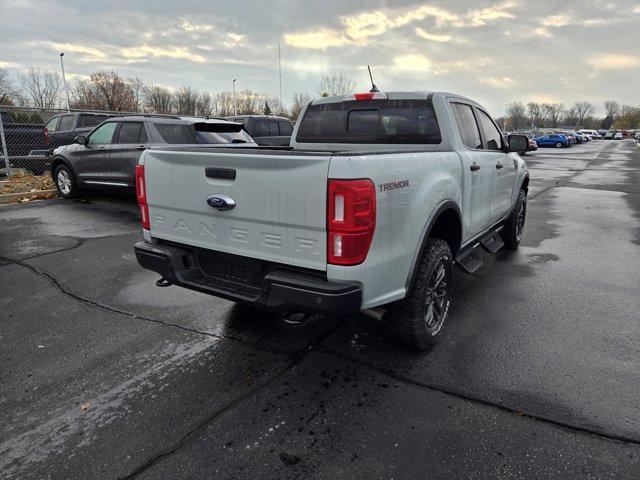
{"x":85,"y":52}
{"x":636,"y":9}
{"x":542,"y":32}
{"x":188,"y":26}
{"x":316,"y":40}
{"x":358,"y":29}
{"x":498,"y":82}
{"x":144,"y":51}
{"x":413,"y":62}
{"x":432,"y":36}
{"x":481,"y":16}
{"x":614,"y":62}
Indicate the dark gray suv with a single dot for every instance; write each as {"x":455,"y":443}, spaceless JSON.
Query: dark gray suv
{"x":107,"y":157}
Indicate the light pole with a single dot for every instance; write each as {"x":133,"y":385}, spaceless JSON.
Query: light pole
{"x":64,"y":81}
{"x":234,"y":97}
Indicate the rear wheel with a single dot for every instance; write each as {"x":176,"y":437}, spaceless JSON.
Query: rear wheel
{"x":514,"y":225}
{"x":65,"y":182}
{"x":418,"y":319}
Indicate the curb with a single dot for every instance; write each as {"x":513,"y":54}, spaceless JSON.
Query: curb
{"x":13,"y":197}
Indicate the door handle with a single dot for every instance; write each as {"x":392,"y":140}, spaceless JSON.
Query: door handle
{"x":141,"y":147}
{"x":474,"y":167}
{"x":499,"y":165}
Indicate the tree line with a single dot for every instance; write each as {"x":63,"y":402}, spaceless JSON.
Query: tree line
{"x":534,"y":115}
{"x":108,"y":90}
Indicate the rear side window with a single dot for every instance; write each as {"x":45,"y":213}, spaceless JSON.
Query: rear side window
{"x":285,"y":128}
{"x":131,"y":132}
{"x":52,"y":125}
{"x":274,"y":131}
{"x":467,"y":125}
{"x":493,"y":139}
{"x":261,"y":129}
{"x":176,"y":133}
{"x":85,"y":120}
{"x":371,"y":122}
{"x":66,"y":123}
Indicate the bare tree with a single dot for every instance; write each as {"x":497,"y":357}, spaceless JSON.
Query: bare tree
{"x":331,"y":85}
{"x":185,"y":100}
{"x":137,"y":86}
{"x":157,"y":99}
{"x":223,"y":104}
{"x":105,"y":90}
{"x":248,"y":102}
{"x":552,"y":113}
{"x":535,"y":114}
{"x":8,"y":94}
{"x":517,"y":115}
{"x":300,"y":100}
{"x":582,"y":111}
{"x":41,"y":88}
{"x":611,"y":108}
{"x":204,"y":105}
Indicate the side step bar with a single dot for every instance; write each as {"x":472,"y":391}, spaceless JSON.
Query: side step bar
{"x":469,"y":259}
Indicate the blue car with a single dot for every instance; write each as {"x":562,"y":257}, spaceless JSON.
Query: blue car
{"x":554,"y":140}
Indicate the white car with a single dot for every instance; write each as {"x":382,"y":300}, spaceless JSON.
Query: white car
{"x":590,"y":133}
{"x":618,"y":136}
{"x":380,"y":195}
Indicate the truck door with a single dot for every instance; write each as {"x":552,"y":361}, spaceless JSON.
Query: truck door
{"x":478,"y":172}
{"x":504,"y":168}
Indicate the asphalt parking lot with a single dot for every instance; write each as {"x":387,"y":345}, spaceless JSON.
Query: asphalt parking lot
{"x":104,"y":375}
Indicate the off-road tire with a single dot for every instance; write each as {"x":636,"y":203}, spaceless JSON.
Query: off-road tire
{"x":407,"y":319}
{"x":514,"y":225}
{"x":65,"y":182}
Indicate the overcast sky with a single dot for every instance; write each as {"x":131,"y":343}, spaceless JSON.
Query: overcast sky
{"x":494,"y":52}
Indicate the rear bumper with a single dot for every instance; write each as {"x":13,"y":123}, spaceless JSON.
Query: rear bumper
{"x":280,"y":287}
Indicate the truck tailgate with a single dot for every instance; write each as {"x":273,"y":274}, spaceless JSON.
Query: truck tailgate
{"x":280,"y":197}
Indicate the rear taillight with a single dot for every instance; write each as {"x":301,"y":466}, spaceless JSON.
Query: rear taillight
{"x":351,"y":220}
{"x":47,"y":138}
{"x":141,"y":194}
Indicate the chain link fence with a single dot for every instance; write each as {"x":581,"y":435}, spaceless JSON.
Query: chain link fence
{"x":28,"y":135}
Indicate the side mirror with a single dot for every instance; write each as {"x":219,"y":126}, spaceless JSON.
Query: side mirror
{"x":81,"y":140}
{"x":517,"y":143}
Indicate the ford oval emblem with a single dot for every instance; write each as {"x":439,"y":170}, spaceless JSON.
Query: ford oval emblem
{"x":221,"y":202}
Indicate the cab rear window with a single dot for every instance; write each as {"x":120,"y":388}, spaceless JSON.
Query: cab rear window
{"x":371,"y":122}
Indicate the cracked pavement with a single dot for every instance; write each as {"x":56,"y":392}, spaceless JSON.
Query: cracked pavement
{"x":104,"y":375}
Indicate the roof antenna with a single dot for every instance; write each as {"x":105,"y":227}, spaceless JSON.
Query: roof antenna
{"x":373,"y":85}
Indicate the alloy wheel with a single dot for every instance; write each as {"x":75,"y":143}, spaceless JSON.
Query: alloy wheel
{"x":437,"y":299}
{"x":64,"y":182}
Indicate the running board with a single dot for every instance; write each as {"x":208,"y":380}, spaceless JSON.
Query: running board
{"x":492,"y":242}
{"x":469,"y":259}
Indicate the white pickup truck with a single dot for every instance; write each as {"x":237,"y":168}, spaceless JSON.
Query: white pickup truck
{"x":376,"y":199}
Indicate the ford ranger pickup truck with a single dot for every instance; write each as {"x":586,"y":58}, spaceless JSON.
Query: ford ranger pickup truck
{"x":376,"y":199}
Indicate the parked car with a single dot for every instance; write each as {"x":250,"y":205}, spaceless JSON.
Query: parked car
{"x":609,"y":135}
{"x":553,"y":140}
{"x":266,"y":129}
{"x":25,"y":144}
{"x":379,"y":225}
{"x":618,"y":136}
{"x":107,"y":157}
{"x":573,"y":137}
{"x":591,"y":133}
{"x":62,"y":129}
{"x":533,"y":145}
